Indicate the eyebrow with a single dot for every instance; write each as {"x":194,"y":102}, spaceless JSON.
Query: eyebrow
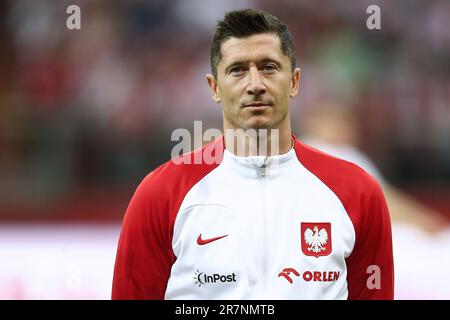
{"x":243,"y":62}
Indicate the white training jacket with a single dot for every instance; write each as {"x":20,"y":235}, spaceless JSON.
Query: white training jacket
{"x":301,"y":225}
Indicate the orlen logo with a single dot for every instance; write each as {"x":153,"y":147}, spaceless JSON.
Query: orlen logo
{"x":315,"y":276}
{"x":203,"y":278}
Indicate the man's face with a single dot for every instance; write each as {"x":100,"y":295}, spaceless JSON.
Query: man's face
{"x":254,"y":82}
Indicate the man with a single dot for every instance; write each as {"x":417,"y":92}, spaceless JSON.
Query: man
{"x":279,"y":221}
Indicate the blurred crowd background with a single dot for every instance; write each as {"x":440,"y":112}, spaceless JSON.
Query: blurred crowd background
{"x":86,"y":114}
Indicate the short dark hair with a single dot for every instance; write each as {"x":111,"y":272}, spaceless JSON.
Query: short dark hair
{"x":245,"y":23}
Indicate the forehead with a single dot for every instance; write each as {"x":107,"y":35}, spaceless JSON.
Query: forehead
{"x":253,"y":48}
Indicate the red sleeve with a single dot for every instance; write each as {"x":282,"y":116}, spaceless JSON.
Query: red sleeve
{"x":370,"y":267}
{"x":144,"y":255}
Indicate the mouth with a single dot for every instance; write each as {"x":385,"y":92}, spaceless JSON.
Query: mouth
{"x":256,"y":105}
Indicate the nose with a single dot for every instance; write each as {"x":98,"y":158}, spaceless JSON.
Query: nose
{"x":255,"y":85}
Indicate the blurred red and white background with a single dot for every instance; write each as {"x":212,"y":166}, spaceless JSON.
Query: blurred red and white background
{"x":86,"y":114}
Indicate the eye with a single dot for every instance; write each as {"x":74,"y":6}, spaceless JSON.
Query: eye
{"x":269,"y":67}
{"x":236,"y":70}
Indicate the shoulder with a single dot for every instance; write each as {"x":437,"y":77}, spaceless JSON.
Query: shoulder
{"x":359,"y":193}
{"x":176,"y":177}
{"x":342,"y":176}
{"x":346,"y":152}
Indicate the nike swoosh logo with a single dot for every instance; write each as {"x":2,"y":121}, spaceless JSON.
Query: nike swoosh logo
{"x":201,"y":241}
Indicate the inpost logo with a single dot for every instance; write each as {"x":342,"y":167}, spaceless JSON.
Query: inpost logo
{"x":203,"y":278}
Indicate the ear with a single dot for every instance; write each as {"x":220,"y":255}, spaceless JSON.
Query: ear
{"x":295,"y":82}
{"x":213,"y":87}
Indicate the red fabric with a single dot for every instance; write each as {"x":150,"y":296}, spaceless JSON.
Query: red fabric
{"x":144,"y":255}
{"x":364,"y":202}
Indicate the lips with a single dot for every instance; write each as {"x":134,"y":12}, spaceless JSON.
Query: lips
{"x":256,"y":105}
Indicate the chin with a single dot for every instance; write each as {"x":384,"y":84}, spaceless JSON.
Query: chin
{"x":258,"y":123}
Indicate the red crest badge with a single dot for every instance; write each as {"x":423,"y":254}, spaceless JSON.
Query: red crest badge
{"x":316,"y":238}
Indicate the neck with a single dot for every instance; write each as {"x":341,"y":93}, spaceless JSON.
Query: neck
{"x":258,"y":142}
